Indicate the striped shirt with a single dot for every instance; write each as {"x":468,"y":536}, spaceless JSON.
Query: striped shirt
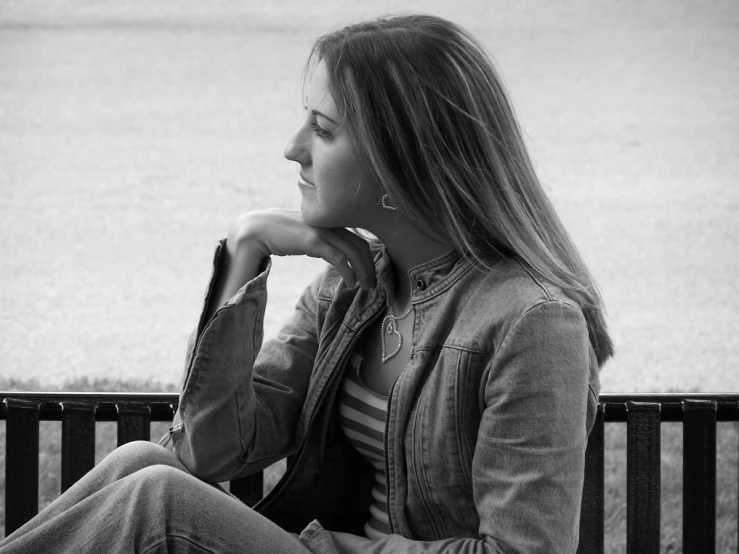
{"x":362,"y":413}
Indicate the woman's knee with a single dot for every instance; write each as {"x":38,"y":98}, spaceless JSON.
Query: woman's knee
{"x":170,"y":486}
{"x":162,"y":474}
{"x":172,"y":506}
{"x":136,"y":455}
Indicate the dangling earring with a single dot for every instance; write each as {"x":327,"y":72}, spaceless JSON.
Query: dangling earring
{"x":385,"y":205}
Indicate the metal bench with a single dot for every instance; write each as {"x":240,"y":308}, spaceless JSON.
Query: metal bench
{"x":642,"y":414}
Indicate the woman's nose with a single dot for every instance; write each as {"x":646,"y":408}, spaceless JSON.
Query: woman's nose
{"x":297,"y":149}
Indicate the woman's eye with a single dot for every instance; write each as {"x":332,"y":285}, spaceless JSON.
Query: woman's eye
{"x":320,"y":131}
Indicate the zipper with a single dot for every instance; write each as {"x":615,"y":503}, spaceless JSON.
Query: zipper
{"x":264,"y":503}
{"x":387,"y":441}
{"x":164,"y":441}
{"x":387,"y":463}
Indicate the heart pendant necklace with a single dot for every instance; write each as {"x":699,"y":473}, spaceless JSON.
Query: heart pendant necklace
{"x":390,"y":328}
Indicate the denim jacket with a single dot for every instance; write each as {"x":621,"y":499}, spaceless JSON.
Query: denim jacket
{"x":486,"y":427}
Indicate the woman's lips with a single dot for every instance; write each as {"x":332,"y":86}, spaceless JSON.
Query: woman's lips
{"x":303,"y":182}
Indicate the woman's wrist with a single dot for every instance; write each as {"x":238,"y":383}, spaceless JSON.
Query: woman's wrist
{"x":241,"y":262}
{"x":244,"y":238}
{"x":242,"y":265}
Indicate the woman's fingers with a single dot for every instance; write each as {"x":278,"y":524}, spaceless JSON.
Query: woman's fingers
{"x":356,"y":251}
{"x":284,"y":233}
{"x":339,"y":260}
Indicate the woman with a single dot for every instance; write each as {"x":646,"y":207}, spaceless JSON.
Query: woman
{"x":434,"y":388}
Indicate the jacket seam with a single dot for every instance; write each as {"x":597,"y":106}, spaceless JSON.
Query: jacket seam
{"x":535,"y":279}
{"x":451,"y":347}
{"x":419,"y":468}
{"x":528,"y":311}
{"x":462,"y":444}
{"x":244,"y":446}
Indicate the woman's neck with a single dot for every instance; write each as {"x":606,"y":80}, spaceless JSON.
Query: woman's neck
{"x":408,"y":248}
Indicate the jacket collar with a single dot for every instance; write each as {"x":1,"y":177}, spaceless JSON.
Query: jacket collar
{"x":429,"y":279}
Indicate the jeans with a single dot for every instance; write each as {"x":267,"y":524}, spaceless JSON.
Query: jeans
{"x":141,"y":499}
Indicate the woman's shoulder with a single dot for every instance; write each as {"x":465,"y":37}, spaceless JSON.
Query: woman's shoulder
{"x":500,"y":298}
{"x":494,"y":305}
{"x":511,"y":283}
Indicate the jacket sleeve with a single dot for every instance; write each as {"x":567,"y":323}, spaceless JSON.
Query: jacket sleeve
{"x":529,"y":461}
{"x":528,"y":464}
{"x":241,"y":402}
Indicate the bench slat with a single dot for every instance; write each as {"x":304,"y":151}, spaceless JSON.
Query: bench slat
{"x":642,"y":477}
{"x":78,"y":440}
{"x":21,"y":462}
{"x":699,"y":477}
{"x":643,"y":413}
{"x":134,"y":422}
{"x":592,"y":512}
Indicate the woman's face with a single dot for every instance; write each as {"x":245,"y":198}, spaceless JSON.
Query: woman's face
{"x":337,"y":191}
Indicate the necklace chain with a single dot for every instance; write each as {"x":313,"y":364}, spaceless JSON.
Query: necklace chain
{"x":400,"y":317}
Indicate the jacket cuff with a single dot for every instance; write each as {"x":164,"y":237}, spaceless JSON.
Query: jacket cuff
{"x":317,"y":539}
{"x":258,"y":283}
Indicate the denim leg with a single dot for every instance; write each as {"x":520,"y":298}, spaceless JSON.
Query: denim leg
{"x":140,"y":499}
{"x":123,"y":461}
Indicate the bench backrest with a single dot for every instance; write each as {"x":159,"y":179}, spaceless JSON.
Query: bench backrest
{"x":642,"y":414}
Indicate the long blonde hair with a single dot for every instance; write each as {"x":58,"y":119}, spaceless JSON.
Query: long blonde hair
{"x":426,"y":110}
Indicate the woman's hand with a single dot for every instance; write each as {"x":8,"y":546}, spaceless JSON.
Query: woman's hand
{"x":255,"y":235}
{"x":258,"y":234}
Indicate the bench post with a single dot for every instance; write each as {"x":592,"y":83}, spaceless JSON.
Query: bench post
{"x":78,"y":440}
{"x":134,"y":422}
{"x":21,"y":462}
{"x":592,"y":511}
{"x":642,"y":477}
{"x":699,"y":476}
{"x":249,"y":489}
